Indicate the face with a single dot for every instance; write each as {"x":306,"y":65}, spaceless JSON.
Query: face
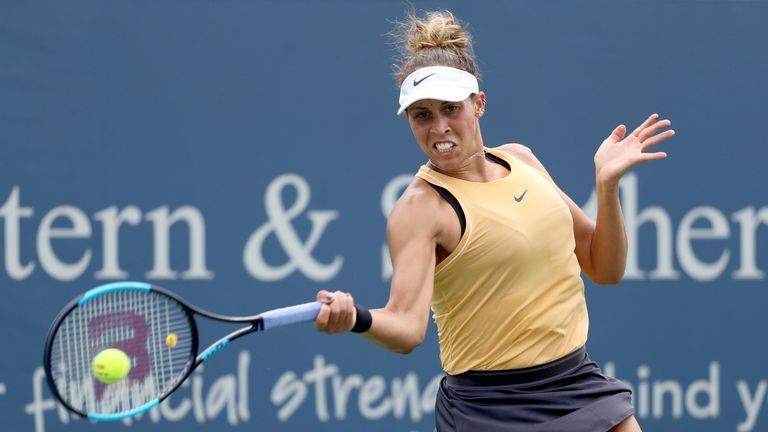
{"x":448,"y":132}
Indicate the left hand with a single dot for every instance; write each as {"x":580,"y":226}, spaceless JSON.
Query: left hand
{"x":617,"y":154}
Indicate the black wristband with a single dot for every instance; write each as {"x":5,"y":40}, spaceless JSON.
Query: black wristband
{"x":363,"y":321}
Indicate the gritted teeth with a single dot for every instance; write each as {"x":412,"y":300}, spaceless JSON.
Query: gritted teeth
{"x":443,"y":146}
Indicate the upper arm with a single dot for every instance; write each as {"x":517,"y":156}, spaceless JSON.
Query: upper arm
{"x":412,"y":238}
{"x":583,"y":225}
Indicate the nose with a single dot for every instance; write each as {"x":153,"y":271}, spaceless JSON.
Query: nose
{"x":440,"y":125}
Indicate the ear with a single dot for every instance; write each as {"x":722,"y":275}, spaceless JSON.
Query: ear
{"x":479,"y":102}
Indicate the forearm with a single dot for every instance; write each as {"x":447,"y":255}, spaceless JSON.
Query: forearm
{"x":395,"y":331}
{"x":617,"y":154}
{"x":608,"y":248}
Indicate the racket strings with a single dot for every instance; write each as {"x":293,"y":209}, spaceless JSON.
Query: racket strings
{"x":140,"y":324}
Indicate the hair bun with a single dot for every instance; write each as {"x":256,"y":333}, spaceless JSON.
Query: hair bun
{"x":439,"y":29}
{"x":438,"y":39}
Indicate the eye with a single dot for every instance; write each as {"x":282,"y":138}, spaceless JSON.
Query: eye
{"x":420,"y":115}
{"x":452,"y":108}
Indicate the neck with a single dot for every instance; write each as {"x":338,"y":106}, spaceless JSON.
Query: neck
{"x":474,"y":168}
{"x":477,"y":168}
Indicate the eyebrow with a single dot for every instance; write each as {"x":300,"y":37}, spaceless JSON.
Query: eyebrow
{"x":417,"y":107}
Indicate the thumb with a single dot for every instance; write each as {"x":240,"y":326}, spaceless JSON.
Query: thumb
{"x":618,"y":133}
{"x":324,"y":296}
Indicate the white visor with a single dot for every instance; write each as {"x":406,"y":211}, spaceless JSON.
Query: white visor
{"x":437,"y":82}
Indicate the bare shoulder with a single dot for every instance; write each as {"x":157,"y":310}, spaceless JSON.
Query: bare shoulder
{"x":409,"y":213}
{"x":524,"y":154}
{"x":418,"y":194}
{"x":516,"y":149}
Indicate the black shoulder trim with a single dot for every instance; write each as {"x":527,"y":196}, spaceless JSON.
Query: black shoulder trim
{"x":498,"y":160}
{"x":454,"y":203}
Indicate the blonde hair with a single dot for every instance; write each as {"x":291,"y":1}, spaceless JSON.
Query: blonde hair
{"x":438,"y":39}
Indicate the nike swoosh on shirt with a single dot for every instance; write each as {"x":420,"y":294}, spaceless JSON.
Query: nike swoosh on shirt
{"x":417,"y":82}
{"x":520,"y":198}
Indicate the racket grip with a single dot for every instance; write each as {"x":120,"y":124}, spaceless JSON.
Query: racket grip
{"x":291,"y":315}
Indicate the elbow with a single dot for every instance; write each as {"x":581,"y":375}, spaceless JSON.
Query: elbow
{"x":409,"y":345}
{"x":607,"y":278}
{"x":606,"y":281}
{"x":610,"y":274}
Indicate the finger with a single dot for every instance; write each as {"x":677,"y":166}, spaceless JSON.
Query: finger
{"x":338,"y":313}
{"x":653,"y":129}
{"x":652,"y":141}
{"x":645,"y":124}
{"x":646,"y":157}
{"x":352,"y":312}
{"x":347,"y":307}
{"x":321,"y":322}
{"x":618,"y":133}
{"x":653,"y":156}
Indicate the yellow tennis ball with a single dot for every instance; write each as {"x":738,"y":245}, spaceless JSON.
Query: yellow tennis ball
{"x":171,"y":340}
{"x":111,"y":365}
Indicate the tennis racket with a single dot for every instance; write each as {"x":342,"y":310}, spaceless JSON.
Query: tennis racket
{"x":155,"y":328}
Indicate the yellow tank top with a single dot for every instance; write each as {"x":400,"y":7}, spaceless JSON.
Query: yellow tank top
{"x":510,"y":295}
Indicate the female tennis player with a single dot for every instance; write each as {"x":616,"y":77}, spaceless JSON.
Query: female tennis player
{"x":486,"y":238}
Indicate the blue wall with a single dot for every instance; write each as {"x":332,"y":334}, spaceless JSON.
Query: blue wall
{"x":248,"y":122}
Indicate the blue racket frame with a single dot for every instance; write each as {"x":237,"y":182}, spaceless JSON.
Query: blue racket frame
{"x":263,"y":321}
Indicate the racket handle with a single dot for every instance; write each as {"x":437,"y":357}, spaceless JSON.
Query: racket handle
{"x":291,"y":315}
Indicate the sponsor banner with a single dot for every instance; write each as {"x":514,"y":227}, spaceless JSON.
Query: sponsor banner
{"x":247,"y":154}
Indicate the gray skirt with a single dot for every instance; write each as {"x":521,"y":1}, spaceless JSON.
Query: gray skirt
{"x":570,"y":394}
